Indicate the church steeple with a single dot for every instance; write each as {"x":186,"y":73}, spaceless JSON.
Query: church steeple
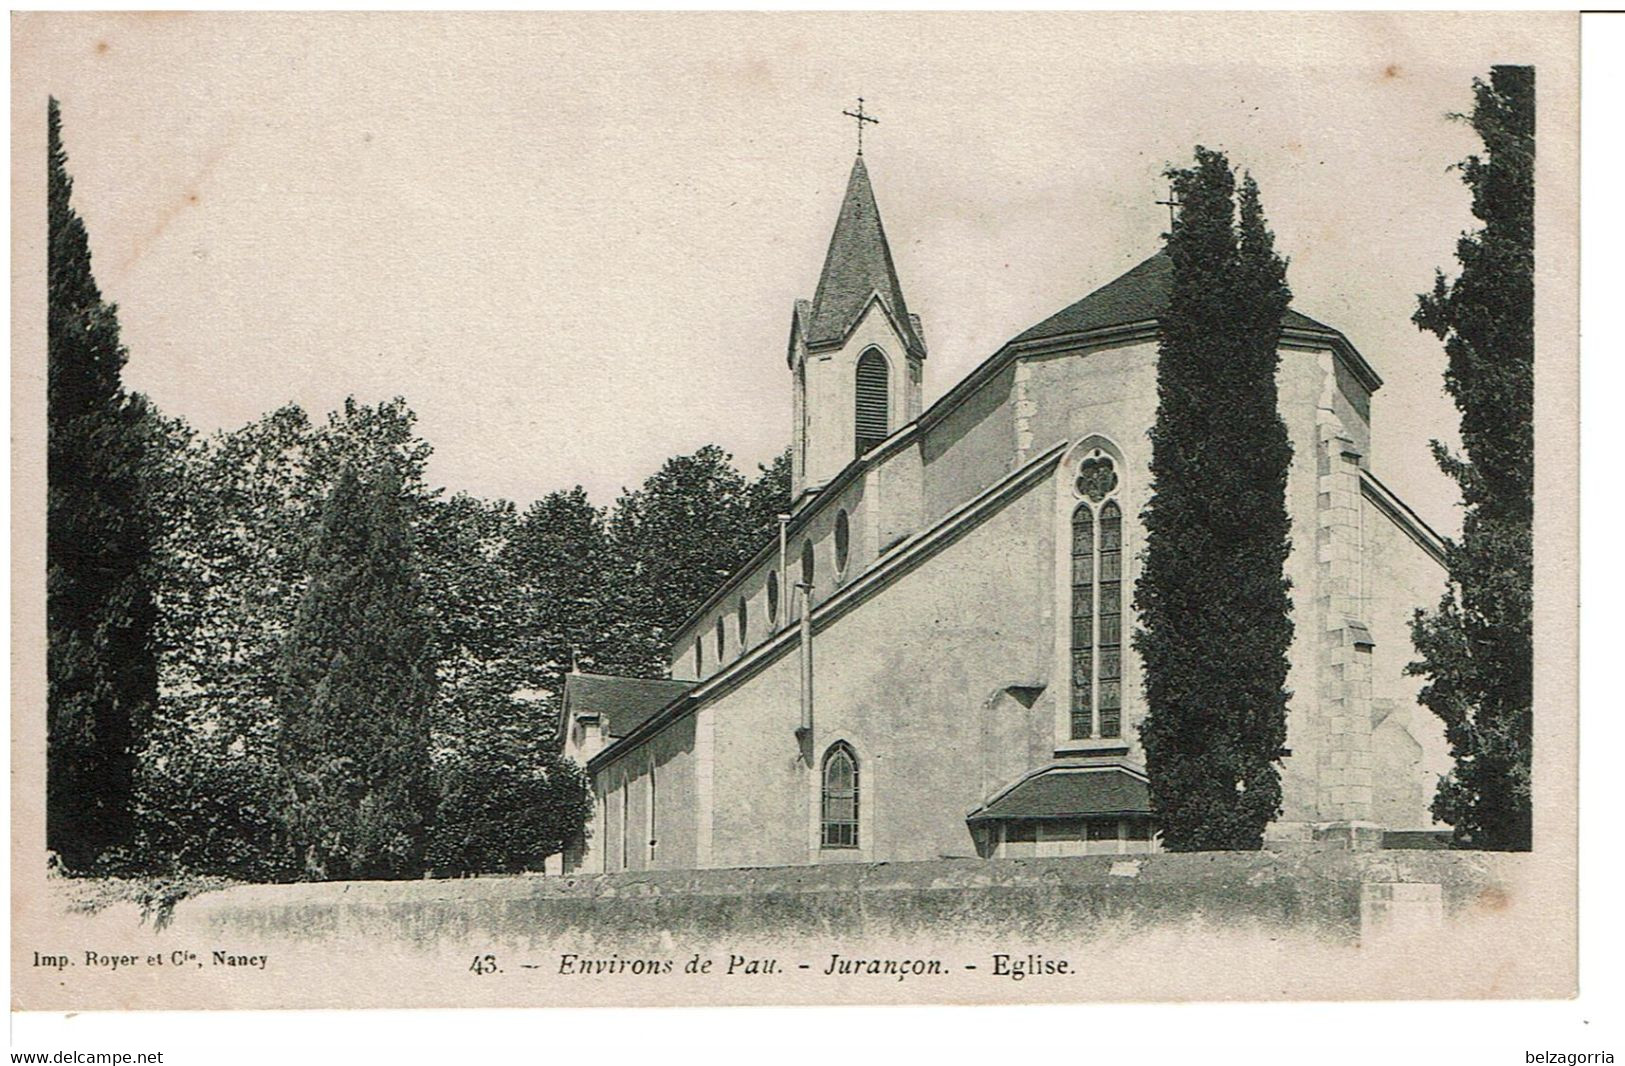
{"x":857,"y":267}
{"x":855,"y":350}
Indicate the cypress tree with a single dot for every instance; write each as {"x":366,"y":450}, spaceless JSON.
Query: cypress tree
{"x":356,"y":691}
{"x":1212,"y":598}
{"x":1477,"y":649}
{"x":102,"y":675}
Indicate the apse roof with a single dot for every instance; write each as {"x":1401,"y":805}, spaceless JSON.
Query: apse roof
{"x":1141,"y":295}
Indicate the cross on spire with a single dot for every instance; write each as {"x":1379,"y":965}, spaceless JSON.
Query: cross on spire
{"x":862,"y":118}
{"x":1171,"y":204}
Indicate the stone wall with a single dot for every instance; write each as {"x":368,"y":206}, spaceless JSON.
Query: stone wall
{"x":1320,"y":893}
{"x":1263,"y":925}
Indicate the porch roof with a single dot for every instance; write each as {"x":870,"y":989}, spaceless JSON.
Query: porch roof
{"x":1069,"y":791}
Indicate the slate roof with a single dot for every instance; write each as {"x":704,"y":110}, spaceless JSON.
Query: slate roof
{"x":1069,"y":792}
{"x":623,"y":703}
{"x":1140,"y":295}
{"x":857,"y":266}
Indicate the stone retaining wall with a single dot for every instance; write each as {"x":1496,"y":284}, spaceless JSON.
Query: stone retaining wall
{"x":1263,"y":925}
{"x":1319,"y":893}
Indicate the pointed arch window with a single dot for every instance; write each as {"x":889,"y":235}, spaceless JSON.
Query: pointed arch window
{"x":1083,"y":621}
{"x":873,"y":400}
{"x":839,"y":806}
{"x":772,"y":597}
{"x":1097,"y":601}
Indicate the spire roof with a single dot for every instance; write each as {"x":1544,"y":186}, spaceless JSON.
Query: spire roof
{"x":857,"y":267}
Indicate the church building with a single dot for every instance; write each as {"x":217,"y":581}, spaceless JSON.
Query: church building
{"x":933,"y":658}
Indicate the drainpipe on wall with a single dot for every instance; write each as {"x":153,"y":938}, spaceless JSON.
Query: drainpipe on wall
{"x":806,"y":590}
{"x":784,"y":590}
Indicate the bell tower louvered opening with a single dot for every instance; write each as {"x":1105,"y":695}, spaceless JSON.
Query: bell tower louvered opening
{"x":873,"y":401}
{"x":855,"y":350}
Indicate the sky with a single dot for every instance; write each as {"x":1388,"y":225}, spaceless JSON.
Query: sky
{"x":573,"y":242}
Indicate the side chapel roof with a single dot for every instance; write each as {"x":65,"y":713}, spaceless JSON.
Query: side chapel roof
{"x":623,"y":703}
{"x":857,"y":267}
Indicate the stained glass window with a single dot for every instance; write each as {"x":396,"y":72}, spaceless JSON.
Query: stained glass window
{"x":1097,"y":602}
{"x":1083,"y":620}
{"x":1111,"y":620}
{"x":1096,"y":478}
{"x":840,"y":798}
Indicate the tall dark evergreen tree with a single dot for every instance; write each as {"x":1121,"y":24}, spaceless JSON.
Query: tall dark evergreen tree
{"x":357,"y":690}
{"x":102,"y":666}
{"x":1212,"y":598}
{"x":1477,"y":649}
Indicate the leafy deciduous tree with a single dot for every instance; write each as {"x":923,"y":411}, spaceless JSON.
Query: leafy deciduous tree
{"x":506,"y":804}
{"x":766,"y":499}
{"x":239,"y":509}
{"x":685,"y":531}
{"x":512,"y":599}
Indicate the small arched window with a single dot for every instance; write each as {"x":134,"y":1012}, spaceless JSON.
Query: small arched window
{"x":806,"y":562}
{"x":744,"y":624}
{"x":719,"y":638}
{"x":873,"y":401}
{"x":699,"y":654}
{"x":843,"y":541}
{"x":839,"y":806}
{"x":772,"y":597}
